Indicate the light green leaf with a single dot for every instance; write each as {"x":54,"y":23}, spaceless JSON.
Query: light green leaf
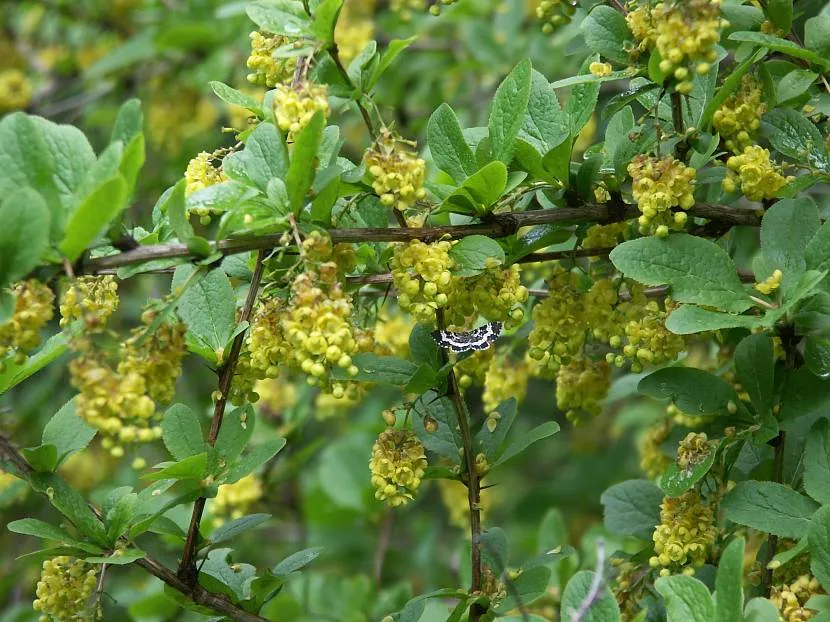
{"x":303,"y":165}
{"x":39,"y":529}
{"x":208,"y":307}
{"x":527,"y":587}
{"x":818,"y":538}
{"x":383,"y":369}
{"x":729,"y":591}
{"x":697,"y":270}
{"x":755,"y":366}
{"x":817,"y":35}
{"x":479,"y":191}
{"x":760,"y":610}
{"x":297,"y":561}
{"x":228,"y":531}
{"x":14,"y":374}
{"x":787,"y":228}
{"x":67,"y":432}
{"x":795,"y":83}
{"x":264,"y":158}
{"x":325,"y":19}
{"x":632,"y":508}
{"x":474,"y":254}
{"x":689,"y":319}
{"x":281,"y":17}
{"x":791,"y":133}
{"x":779,"y":45}
{"x":538,"y":433}
{"x":192,"y":467}
{"x":545,"y":126}
{"x":508,"y":111}
{"x":237,"y":428}
{"x":92,"y":216}
{"x":687,"y":599}
{"x":182,"y":432}
{"x":129,"y":122}
{"x":606,"y":33}
{"x":583,"y":99}
{"x":603,"y":609}
{"x":694,"y":391}
{"x":258,"y":456}
{"x":450,"y":151}
{"x":236,"y":98}
{"x":675,"y":481}
{"x":24,"y":234}
{"x":71,"y":504}
{"x":769,"y":507}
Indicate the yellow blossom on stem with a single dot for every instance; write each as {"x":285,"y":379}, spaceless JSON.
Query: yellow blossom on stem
{"x":396,"y":171}
{"x":398,"y":464}
{"x":685,"y":534}
{"x":65,"y":586}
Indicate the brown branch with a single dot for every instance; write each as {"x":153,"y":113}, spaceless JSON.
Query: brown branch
{"x":498,"y":226}
{"x":471,"y":478}
{"x":187,"y":571}
{"x":197,"y":593}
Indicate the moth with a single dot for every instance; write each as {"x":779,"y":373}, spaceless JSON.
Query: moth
{"x":479,"y":338}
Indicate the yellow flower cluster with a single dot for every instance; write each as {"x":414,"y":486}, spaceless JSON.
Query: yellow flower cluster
{"x":770,"y":284}
{"x":421,"y":274}
{"x":294,"y":106}
{"x":601,"y":311}
{"x":276,"y":395}
{"x":65,"y":586}
{"x":504,"y":380}
{"x":684,"y":535}
{"x":790,"y":599}
{"x":653,"y":460}
{"x":755,"y":174}
{"x":353,"y":32}
{"x":473,"y":369}
{"x":660,"y":184}
{"x":396,"y":170}
{"x":605,"y":236}
{"x":327,"y":406}
{"x":398,"y":463}
{"x":313,"y":333}
{"x":649,"y":342}
{"x":173,"y":119}
{"x":15,"y":90}
{"x":20,"y":334}
{"x":497,"y":294}
{"x":555,"y":13}
{"x":684,"y":34}
{"x":392,"y":335}
{"x":581,"y":387}
{"x":693,"y":450}
{"x":202,"y":172}
{"x":235,"y":500}
{"x":739,"y":118}
{"x":266,"y":69}
{"x":92,"y":299}
{"x":86,"y":469}
{"x":559,"y":331}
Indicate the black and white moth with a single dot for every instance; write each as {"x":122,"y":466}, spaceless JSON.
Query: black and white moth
{"x":477,"y":339}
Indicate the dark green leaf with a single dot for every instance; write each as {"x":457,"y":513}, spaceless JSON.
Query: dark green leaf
{"x":24,"y":235}
{"x":769,"y":507}
{"x":817,"y":356}
{"x":45,"y":531}
{"x":258,"y":456}
{"x":603,"y":608}
{"x":817,"y":35}
{"x":632,"y":508}
{"x":228,"y":531}
{"x":304,"y":162}
{"x":489,"y":441}
{"x":817,"y":462}
{"x":69,"y":503}
{"x":791,"y":133}
{"x":508,"y":111}
{"x":208,"y":307}
{"x":236,"y":430}
{"x":297,"y":561}
{"x":675,"y":481}
{"x":606,"y":33}
{"x":527,"y":587}
{"x":693,"y":391}
{"x":526,"y":440}
{"x":384,"y":369}
{"x":687,"y":599}
{"x":450,"y":151}
{"x":787,"y":228}
{"x":780,"y":13}
{"x":755,"y":366}
{"x":818,"y":538}
{"x":583,"y":99}
{"x":729,"y":592}
{"x":779,"y":45}
{"x":67,"y":432}
{"x":182,"y":432}
{"x":476,"y":253}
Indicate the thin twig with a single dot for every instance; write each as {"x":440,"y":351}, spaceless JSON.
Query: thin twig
{"x":499,"y":226}
{"x":384,"y":539}
{"x":593,"y":595}
{"x":187,"y":571}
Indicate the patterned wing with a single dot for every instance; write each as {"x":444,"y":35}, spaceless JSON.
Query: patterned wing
{"x":479,"y":338}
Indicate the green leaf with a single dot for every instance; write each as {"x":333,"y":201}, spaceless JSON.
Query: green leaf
{"x":474,"y":254}
{"x":129,"y":122}
{"x":787,"y":228}
{"x":779,"y":45}
{"x":67,"y":432}
{"x":258,"y":456}
{"x":93,"y":215}
{"x":71,"y":504}
{"x":697,"y":270}
{"x":803,"y":393}
{"x":818,"y":538}
{"x":176,"y":213}
{"x":780,"y":13}
{"x":181,"y":432}
{"x":817,"y":462}
{"x":449,"y":150}
{"x":24,"y":235}
{"x":729,"y":591}
{"x":119,"y":517}
{"x":208,"y":307}
{"x":236,"y":98}
{"x":325,"y":19}
{"x":383,"y":369}
{"x":132,"y":162}
{"x":14,"y":374}
{"x":817,"y":35}
{"x":303,"y":165}
{"x":392,"y":51}
{"x":760,"y":610}
{"x":527,"y":587}
{"x":694,"y":391}
{"x":604,"y":607}
{"x":297,"y":561}
{"x":237,"y":428}
{"x":508,"y":111}
{"x":39,"y":529}
{"x":817,"y":356}
{"x":480,"y":190}
{"x":606,"y":33}
{"x":537,"y":238}
{"x":583,"y":99}
{"x":281,"y":17}
{"x":817,"y":252}
{"x":675,"y":481}
{"x":632,"y":508}
{"x":192,"y":467}
{"x":538,"y":433}
{"x":545,"y":126}
{"x":769,"y":507}
{"x":120,"y":557}
{"x":687,"y":599}
{"x":791,"y":133}
{"x":489,"y":442}
{"x":228,"y":531}
{"x":813,"y":316}
{"x":43,"y":458}
{"x":689,"y":319}
{"x":234,"y":580}
{"x":755,"y":366}
{"x":795,"y":83}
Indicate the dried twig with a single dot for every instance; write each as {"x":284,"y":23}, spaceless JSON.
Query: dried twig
{"x":593,"y":595}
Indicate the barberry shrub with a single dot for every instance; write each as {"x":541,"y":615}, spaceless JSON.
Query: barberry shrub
{"x":589,"y":295}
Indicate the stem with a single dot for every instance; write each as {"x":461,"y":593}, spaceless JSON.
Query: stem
{"x":772,"y":543}
{"x":334,"y":52}
{"x":196,"y":593}
{"x":499,"y":226}
{"x":679,"y":126}
{"x":472,"y":480}
{"x":187,"y":571}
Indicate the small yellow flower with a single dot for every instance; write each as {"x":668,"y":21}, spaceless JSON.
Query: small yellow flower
{"x":398,"y":464}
